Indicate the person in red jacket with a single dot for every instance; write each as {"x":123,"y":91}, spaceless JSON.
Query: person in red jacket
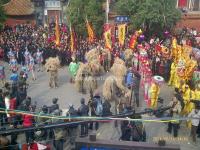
{"x":28,"y":121}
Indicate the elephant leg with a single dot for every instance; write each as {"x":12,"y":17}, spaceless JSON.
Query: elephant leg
{"x":56,"y":80}
{"x":51,"y":81}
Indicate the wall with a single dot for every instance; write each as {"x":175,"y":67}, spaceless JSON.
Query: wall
{"x":13,"y":20}
{"x":190,"y":20}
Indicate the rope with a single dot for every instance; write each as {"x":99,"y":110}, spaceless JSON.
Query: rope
{"x":158,"y":120}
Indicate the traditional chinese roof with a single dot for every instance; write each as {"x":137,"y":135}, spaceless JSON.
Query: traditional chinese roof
{"x":19,"y":8}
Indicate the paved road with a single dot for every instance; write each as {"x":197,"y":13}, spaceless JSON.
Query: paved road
{"x":42,"y":94}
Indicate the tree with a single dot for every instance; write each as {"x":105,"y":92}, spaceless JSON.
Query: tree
{"x":2,"y":14}
{"x":77,"y":12}
{"x":4,"y":1}
{"x":153,"y":15}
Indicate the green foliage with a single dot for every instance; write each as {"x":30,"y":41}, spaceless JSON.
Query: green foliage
{"x":153,"y":15}
{"x":4,"y":1}
{"x":2,"y":16}
{"x":77,"y":12}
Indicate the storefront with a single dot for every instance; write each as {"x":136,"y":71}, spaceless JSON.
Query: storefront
{"x":52,"y":10}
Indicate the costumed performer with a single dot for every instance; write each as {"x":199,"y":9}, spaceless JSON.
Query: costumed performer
{"x":155,"y":90}
{"x":172,"y":74}
{"x":187,"y":96}
{"x":52,"y":65}
{"x":73,"y":68}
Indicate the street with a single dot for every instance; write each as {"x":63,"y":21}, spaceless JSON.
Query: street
{"x":40,"y":92}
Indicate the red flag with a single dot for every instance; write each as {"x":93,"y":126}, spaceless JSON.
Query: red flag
{"x":133,"y":41}
{"x":108,"y":36}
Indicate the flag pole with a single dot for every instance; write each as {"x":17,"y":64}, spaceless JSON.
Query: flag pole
{"x":107,"y":10}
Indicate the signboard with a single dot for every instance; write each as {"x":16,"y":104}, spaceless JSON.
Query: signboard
{"x":121,"y":19}
{"x":52,"y":4}
{"x":45,"y":12}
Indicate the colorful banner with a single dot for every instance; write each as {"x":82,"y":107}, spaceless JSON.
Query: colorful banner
{"x":108,"y":39}
{"x":121,"y":34}
{"x":133,"y":41}
{"x":72,"y":40}
{"x":57,"y":32}
{"x":91,"y":35}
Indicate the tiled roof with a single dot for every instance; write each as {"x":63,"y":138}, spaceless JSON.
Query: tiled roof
{"x":19,"y":7}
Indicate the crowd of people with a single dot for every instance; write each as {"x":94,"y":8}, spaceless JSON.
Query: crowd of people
{"x":26,"y":48}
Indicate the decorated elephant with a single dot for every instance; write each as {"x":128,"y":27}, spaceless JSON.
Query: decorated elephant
{"x":52,"y":65}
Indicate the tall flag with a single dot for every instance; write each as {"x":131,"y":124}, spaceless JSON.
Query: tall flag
{"x":121,"y":34}
{"x":57,"y":32}
{"x":133,"y":40}
{"x":108,"y":38}
{"x":72,"y":40}
{"x":91,"y":35}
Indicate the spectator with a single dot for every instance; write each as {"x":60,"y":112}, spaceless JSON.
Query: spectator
{"x":2,"y":74}
{"x":138,"y":131}
{"x":43,"y":121}
{"x":83,"y":110}
{"x":7,"y":103}
{"x":72,"y":130}
{"x":129,"y":78}
{"x":125,"y":131}
{"x":95,"y":105}
{"x":174,"y":112}
{"x":136,"y":86}
{"x":58,"y":132}
{"x":106,"y":108}
{"x":2,"y":106}
{"x":194,"y":115}
{"x":28,"y":121}
{"x":55,"y":106}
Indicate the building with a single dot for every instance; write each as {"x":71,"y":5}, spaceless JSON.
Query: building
{"x":19,"y":12}
{"x":38,"y":12}
{"x":191,"y":14}
{"x":47,"y":10}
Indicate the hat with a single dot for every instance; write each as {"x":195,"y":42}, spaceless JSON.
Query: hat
{"x":54,"y":100}
{"x":82,"y":100}
{"x":44,"y":108}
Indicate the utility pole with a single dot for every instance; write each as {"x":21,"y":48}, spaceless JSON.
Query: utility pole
{"x":107,"y":10}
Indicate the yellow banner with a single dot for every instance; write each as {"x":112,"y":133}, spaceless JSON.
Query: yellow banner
{"x":121,"y":34}
{"x":107,"y":37}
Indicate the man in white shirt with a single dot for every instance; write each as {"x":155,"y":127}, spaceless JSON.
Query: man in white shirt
{"x":194,"y":115}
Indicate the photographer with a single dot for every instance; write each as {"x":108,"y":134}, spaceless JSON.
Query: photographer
{"x":174,"y":112}
{"x":72,"y":130}
{"x":83,"y":110}
{"x":96,"y":110}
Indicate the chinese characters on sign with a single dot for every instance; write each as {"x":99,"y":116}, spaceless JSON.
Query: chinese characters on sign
{"x":49,"y":4}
